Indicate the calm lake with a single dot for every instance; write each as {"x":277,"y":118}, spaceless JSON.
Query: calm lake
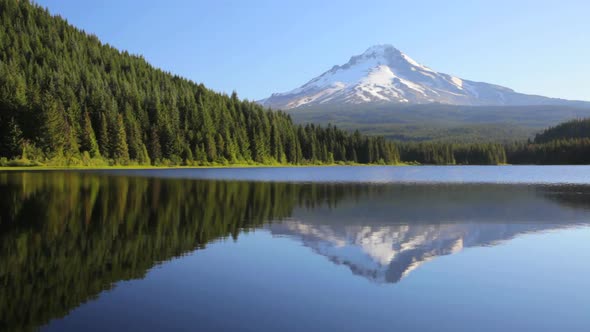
{"x":296,"y":249}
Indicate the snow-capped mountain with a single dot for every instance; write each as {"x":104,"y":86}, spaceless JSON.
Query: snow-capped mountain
{"x":383,"y":74}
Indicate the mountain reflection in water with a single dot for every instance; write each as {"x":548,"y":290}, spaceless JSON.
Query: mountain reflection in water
{"x":65,"y":237}
{"x":393,"y":230}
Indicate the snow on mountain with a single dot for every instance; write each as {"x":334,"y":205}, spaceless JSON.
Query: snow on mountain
{"x":383,"y":74}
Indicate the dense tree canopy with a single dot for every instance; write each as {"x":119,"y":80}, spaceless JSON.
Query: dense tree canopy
{"x":67,"y":98}
{"x":449,"y":154}
{"x":560,"y":151}
{"x":566,"y":143}
{"x":575,"y":129}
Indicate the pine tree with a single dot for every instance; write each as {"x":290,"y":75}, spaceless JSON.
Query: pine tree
{"x":133,"y":130}
{"x":103,"y":138}
{"x":154,"y":148}
{"x":55,"y":131}
{"x":88,"y":139}
{"x":11,"y":142}
{"x":211,"y":147}
{"x":200,"y":154}
{"x":121,"y":151}
{"x":143,"y":158}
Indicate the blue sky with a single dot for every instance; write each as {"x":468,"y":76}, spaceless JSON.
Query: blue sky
{"x":258,"y":47}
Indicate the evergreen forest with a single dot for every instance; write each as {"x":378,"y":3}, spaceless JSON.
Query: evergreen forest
{"x":67,"y":99}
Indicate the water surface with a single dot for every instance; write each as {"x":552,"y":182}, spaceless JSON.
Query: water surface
{"x":318,"y":249}
{"x":382,"y":174}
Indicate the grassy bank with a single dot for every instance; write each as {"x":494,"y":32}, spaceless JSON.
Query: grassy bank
{"x":238,"y":165}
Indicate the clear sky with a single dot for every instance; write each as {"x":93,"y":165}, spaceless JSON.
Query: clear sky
{"x":258,"y":47}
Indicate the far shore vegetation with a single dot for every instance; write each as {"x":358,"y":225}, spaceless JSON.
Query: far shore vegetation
{"x":25,"y":164}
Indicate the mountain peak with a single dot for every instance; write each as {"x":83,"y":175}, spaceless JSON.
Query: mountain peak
{"x":380,"y":49}
{"x":386,"y":53}
{"x":384,"y":74}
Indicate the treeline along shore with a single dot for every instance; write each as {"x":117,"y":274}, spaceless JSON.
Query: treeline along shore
{"x":67,"y":99}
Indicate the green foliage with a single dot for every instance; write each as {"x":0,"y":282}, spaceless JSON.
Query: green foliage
{"x":450,"y":154}
{"x":67,"y":94}
{"x":121,"y":151}
{"x":68,"y":99}
{"x":566,"y":143}
{"x":11,"y":142}
{"x":574,"y":151}
{"x":88,"y":141}
{"x":579,"y":128}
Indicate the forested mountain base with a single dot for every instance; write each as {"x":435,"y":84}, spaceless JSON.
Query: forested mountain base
{"x":68,"y":99}
{"x":566,"y":143}
{"x":452,"y":154}
{"x":441,"y":122}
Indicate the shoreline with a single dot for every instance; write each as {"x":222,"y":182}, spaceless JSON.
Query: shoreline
{"x":140,"y":167}
{"x":237,"y":166}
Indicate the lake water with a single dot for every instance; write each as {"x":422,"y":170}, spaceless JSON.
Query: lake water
{"x":297,"y":249}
